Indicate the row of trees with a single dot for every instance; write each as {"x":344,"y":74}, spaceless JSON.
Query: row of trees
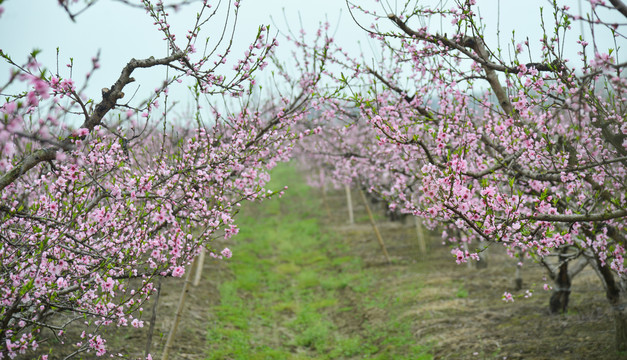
{"x":101,"y":195}
{"x":491,"y":149}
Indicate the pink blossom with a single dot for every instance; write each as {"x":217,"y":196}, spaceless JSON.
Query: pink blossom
{"x":33,"y":100}
{"x":67,"y":85}
{"x":226,"y":253}
{"x":81,"y":132}
{"x":178,"y":271}
{"x":108,"y":285}
{"x":42,"y":88}
{"x":137,"y":323}
{"x":9,"y":107}
{"x":489,"y":191}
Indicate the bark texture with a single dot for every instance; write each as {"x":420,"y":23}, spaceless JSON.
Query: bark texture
{"x":561,"y":292}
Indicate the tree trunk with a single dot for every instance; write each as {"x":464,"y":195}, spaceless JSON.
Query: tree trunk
{"x":562,"y":276}
{"x":483,"y":259}
{"x":561,"y":291}
{"x":518,"y":279}
{"x":620,"y":324}
{"x":615,"y":294}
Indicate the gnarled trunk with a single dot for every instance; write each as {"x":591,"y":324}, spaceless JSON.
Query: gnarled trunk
{"x":561,"y":291}
{"x":562,"y":277}
{"x":615,"y":293}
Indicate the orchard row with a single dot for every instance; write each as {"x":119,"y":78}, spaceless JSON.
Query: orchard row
{"x":101,"y":194}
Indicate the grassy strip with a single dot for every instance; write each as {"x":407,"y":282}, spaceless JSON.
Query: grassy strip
{"x":296,"y":292}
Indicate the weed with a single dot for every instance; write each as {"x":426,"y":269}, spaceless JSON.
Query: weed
{"x":461,"y":293}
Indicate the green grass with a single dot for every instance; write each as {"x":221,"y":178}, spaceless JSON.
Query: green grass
{"x":461,"y":293}
{"x":288,"y":290}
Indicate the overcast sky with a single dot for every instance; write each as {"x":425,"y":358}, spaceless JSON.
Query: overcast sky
{"x":121,"y":33}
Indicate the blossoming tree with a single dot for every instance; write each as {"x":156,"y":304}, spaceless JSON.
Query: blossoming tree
{"x":528,"y":154}
{"x":101,"y":195}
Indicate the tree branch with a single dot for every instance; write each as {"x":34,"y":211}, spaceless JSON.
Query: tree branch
{"x":620,"y":6}
{"x":423,"y":111}
{"x":108,"y":102}
{"x":578,"y":217}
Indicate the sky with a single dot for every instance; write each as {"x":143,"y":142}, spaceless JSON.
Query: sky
{"x":121,"y":33}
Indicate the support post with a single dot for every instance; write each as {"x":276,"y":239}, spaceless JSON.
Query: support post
{"x":422,"y":244}
{"x":374,"y":226}
{"x":349,"y":202}
{"x":200,"y":261}
{"x":177,"y":317}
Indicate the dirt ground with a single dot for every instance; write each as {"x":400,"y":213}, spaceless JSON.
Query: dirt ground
{"x":459,"y":309}
{"x":454,"y":309}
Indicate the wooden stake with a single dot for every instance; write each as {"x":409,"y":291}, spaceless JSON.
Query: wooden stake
{"x":374,"y":226}
{"x":199,"y":265}
{"x":177,"y":317}
{"x":349,"y":201}
{"x":422,"y":244}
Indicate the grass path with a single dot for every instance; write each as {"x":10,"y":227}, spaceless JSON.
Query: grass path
{"x":298,"y":292}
